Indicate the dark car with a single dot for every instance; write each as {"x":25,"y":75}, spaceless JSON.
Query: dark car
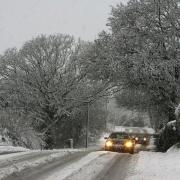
{"x":141,"y":139}
{"x":119,"y":142}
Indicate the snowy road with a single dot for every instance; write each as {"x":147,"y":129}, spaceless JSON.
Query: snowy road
{"x":97,"y":165}
{"x":43,"y":170}
{"x":89,"y":165}
{"x":120,"y":168}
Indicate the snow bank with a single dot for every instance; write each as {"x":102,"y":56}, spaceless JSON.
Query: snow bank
{"x":4,"y":149}
{"x":156,"y":166}
{"x":10,"y":157}
{"x":174,"y":148}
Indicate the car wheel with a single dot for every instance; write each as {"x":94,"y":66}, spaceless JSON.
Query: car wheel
{"x":131,"y":151}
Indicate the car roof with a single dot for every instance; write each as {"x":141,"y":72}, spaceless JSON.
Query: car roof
{"x":123,"y":133}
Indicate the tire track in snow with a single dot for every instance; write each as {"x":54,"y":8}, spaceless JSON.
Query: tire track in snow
{"x":41,"y":170}
{"x":74,"y":168}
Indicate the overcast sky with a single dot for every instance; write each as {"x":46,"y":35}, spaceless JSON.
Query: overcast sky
{"x":20,"y":20}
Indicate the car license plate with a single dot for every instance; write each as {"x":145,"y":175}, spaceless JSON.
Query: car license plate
{"x":119,"y":146}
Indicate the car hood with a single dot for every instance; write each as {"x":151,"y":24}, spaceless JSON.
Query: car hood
{"x":118,"y":141}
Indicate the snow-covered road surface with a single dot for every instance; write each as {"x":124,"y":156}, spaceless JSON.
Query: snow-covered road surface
{"x":120,"y":169}
{"x":19,"y":165}
{"x":100,"y":168}
{"x":90,"y":165}
{"x":51,"y":169}
{"x":80,"y":165}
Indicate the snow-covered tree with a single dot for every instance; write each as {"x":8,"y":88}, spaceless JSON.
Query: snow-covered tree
{"x":141,"y":53}
{"x":43,"y":86}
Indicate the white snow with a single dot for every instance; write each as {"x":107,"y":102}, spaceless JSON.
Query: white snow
{"x":140,"y":130}
{"x":90,"y":165}
{"x":149,"y":130}
{"x":7,"y":148}
{"x":174,"y":148}
{"x":156,"y":166}
{"x":144,"y":166}
{"x":171,"y":123}
{"x":94,"y":168}
{"x":14,"y":168}
{"x":86,"y":168}
{"x":17,"y":167}
{"x":177,"y":111}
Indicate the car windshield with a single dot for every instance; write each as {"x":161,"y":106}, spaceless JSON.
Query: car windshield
{"x":118,"y":136}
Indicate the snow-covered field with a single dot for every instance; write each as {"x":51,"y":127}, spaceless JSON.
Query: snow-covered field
{"x":157,"y":166}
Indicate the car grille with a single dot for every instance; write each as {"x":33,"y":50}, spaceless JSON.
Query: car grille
{"x":119,"y":142}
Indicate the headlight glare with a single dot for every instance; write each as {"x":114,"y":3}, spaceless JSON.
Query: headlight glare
{"x":109,"y":143}
{"x":128,"y":144}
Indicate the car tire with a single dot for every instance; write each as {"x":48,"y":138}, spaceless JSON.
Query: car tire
{"x":131,"y":151}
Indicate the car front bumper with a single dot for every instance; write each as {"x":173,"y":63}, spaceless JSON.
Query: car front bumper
{"x":119,"y":148}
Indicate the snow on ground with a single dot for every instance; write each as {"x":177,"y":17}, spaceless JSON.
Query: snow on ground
{"x":175,"y":148}
{"x":87,"y":167}
{"x":156,"y":166}
{"x":7,"y":148}
{"x":8,"y":157}
{"x":20,"y":166}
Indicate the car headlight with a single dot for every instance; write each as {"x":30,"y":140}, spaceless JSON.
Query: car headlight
{"x":109,"y":143}
{"x":128,"y":144}
{"x":136,"y":138}
{"x":145,"y":139}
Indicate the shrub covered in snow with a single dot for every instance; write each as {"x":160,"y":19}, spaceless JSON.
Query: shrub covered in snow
{"x":167,"y":136}
{"x":26,"y":138}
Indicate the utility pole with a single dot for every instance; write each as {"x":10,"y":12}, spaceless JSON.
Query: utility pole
{"x":106,"y":101}
{"x":87,"y":125}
